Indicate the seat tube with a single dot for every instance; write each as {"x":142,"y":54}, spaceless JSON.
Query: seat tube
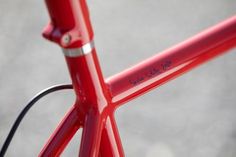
{"x":71,"y":29}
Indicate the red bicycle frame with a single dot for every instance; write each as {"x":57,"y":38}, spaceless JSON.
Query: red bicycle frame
{"x":97,"y":98}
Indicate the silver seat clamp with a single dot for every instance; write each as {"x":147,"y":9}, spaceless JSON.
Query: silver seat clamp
{"x":76,"y":52}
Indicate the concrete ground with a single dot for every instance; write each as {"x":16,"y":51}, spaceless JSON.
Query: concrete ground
{"x":192,"y":116}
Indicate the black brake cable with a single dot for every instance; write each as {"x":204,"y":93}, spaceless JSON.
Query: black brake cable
{"x":26,"y":109}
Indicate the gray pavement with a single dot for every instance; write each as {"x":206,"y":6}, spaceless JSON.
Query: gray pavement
{"x":192,"y":116}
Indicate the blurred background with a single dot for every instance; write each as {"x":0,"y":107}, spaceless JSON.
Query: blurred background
{"x":192,"y":116}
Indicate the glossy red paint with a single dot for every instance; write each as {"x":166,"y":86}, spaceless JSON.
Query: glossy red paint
{"x":93,"y":98}
{"x":62,"y":134}
{"x":94,"y":112}
{"x":173,"y":62}
{"x":110,"y":142}
{"x":68,"y":18}
{"x":97,"y":99}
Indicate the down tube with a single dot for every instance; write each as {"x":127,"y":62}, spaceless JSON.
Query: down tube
{"x":173,"y":62}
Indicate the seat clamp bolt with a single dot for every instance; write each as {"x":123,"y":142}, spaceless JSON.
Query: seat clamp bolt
{"x":66,"y":39}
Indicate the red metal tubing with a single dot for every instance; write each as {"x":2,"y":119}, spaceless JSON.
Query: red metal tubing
{"x":110,"y":142}
{"x":62,"y":135}
{"x":68,"y":19}
{"x":173,"y":62}
{"x":97,"y":99}
{"x":88,"y":82}
{"x":93,"y":98}
{"x":91,"y":137}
